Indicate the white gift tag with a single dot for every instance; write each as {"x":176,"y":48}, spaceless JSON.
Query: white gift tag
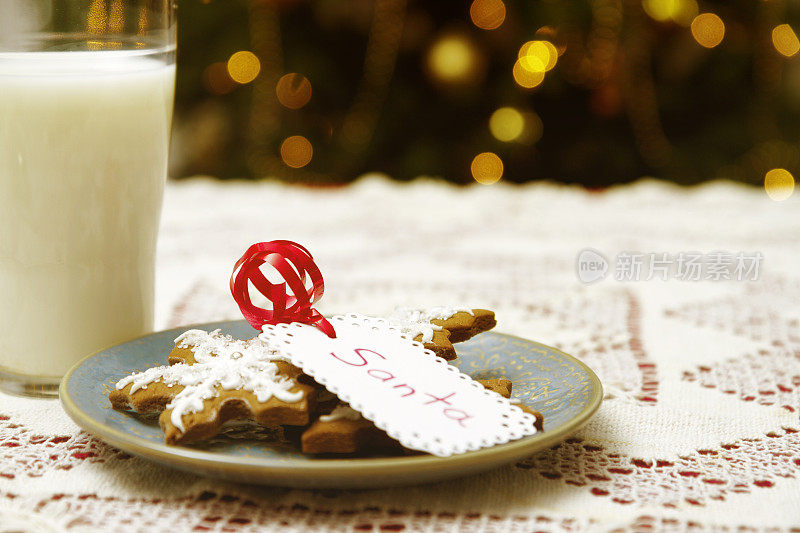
{"x":416,"y":397}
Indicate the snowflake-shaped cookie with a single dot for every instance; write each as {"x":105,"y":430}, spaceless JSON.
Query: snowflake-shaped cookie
{"x":214,"y":378}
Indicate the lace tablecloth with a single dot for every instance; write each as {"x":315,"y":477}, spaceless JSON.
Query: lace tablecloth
{"x":699,"y":428}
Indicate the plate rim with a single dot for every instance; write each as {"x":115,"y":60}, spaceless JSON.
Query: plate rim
{"x":189,"y":457}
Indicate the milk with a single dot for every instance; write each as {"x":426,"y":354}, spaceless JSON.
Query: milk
{"x":83,"y":160}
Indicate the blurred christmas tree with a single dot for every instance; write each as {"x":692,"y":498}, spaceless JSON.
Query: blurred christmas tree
{"x":596,"y":92}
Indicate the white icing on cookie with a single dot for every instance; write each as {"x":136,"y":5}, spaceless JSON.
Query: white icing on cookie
{"x":221,"y":361}
{"x":414,"y":322}
{"x":341,"y":411}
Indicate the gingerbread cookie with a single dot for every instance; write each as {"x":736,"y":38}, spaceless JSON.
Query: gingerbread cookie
{"x":536,"y":414}
{"x":345,"y":431}
{"x":439,"y":327}
{"x":212,"y":379}
{"x":503,"y":387}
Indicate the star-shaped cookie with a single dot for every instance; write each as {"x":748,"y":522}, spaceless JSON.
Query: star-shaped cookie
{"x":439,"y":327}
{"x":214,"y":378}
{"x":344,"y":430}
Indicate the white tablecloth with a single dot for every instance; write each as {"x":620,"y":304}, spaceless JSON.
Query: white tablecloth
{"x":699,"y":429}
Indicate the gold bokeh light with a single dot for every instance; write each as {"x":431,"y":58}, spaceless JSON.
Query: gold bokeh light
{"x":216,"y":79}
{"x":660,"y":10}
{"x":506,"y":124}
{"x":785,"y":40}
{"x":527,"y":78}
{"x":293,"y":90}
{"x":453,"y":59}
{"x":243,"y":67}
{"x":533,"y":128}
{"x":487,"y":14}
{"x":708,"y":30}
{"x":678,"y":11}
{"x":779,"y":184}
{"x":487,"y":168}
{"x":97,"y":18}
{"x":538,"y":56}
{"x":551,"y":34}
{"x":296,"y":151}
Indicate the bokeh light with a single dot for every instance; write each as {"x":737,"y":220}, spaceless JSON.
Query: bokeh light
{"x":527,"y":78}
{"x":487,"y":168}
{"x":356,"y":130}
{"x":785,"y":40}
{"x":686,"y":13}
{"x":116,"y":17}
{"x":453,"y":59}
{"x":708,"y":30}
{"x":678,"y":11}
{"x":660,"y":10}
{"x":293,"y":90}
{"x":216,"y":79}
{"x":552,"y":35}
{"x":487,"y":14}
{"x":506,"y":124}
{"x":243,"y":67}
{"x":779,"y":184}
{"x":533,"y":129}
{"x":538,"y":56}
{"x":143,"y":22}
{"x":296,"y":151}
{"x":97,"y":17}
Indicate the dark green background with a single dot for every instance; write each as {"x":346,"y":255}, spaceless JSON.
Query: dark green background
{"x":729,"y":112}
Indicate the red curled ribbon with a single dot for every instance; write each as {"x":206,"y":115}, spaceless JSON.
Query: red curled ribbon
{"x":291,"y":299}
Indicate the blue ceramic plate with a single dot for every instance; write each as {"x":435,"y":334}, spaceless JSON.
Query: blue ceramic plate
{"x":562,"y":388}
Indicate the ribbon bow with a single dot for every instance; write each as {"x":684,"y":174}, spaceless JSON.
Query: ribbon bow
{"x":292,"y":298}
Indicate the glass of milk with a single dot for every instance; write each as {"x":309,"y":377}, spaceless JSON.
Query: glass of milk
{"x":86,"y":91}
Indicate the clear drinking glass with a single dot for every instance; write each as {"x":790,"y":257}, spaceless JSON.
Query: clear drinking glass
{"x":86,"y":91}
